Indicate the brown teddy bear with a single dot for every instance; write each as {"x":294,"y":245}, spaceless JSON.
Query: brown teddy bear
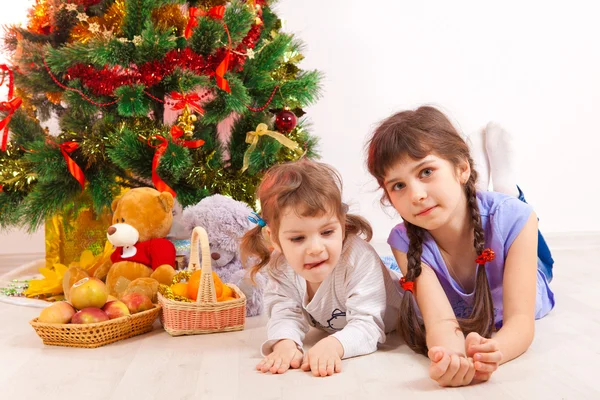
{"x":143,"y":258}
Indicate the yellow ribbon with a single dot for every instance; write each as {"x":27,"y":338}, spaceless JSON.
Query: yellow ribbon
{"x":262,"y":130}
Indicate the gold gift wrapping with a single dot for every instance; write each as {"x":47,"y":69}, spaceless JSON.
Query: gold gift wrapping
{"x":68,"y":235}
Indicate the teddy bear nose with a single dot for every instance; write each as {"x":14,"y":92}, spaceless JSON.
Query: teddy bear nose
{"x":111,"y":230}
{"x":215,"y":256}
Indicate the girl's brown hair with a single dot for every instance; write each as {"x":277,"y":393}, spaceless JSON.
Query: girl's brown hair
{"x":416,"y":134}
{"x":309,"y":188}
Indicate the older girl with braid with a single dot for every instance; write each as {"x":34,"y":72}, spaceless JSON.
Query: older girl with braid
{"x":469,"y":259}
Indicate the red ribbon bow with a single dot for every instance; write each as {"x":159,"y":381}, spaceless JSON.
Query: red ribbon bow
{"x":9,"y":106}
{"x":217,"y":12}
{"x":486,"y":255}
{"x":159,"y":184}
{"x":66,"y":149}
{"x":177,"y":133}
{"x":184,"y":100}
{"x":407,"y":286}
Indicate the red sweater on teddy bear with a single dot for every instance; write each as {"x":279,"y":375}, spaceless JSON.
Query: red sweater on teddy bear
{"x":152,"y":253}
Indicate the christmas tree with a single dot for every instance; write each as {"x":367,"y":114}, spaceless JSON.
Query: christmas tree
{"x":112,"y":71}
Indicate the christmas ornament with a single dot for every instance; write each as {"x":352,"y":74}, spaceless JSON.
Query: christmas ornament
{"x":87,"y":3}
{"x":285,"y":120}
{"x":262,"y":130}
{"x":186,"y":100}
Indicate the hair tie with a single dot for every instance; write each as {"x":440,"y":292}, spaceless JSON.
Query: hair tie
{"x":345,"y":208}
{"x":408,"y":286}
{"x":257,"y":220}
{"x":486,"y":255}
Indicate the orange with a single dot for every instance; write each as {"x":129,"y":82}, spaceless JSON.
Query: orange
{"x":194,"y":283}
{"x":226,"y":294}
{"x":180,"y":289}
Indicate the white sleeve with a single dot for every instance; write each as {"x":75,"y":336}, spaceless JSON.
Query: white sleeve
{"x":284,"y":309}
{"x":365,"y":306}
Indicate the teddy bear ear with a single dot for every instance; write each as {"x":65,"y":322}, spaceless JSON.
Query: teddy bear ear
{"x":114,"y":204}
{"x":166,"y":200}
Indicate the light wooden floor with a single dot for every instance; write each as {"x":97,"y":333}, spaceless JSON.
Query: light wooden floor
{"x":562,"y":363}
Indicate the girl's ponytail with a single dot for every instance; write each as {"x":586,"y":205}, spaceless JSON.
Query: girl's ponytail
{"x":410,"y":326}
{"x":254,"y":246}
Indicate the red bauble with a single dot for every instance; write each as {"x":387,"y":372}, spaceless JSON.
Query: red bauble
{"x":87,"y":3}
{"x":285,"y":121}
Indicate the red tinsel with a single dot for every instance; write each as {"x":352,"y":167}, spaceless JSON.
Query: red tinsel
{"x":104,"y":82}
{"x":238,"y":56}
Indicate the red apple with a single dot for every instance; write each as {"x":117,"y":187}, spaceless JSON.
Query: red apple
{"x":115,"y":309}
{"x":89,"y":315}
{"x":88,"y":292}
{"x":58,"y":313}
{"x":137,"y":302}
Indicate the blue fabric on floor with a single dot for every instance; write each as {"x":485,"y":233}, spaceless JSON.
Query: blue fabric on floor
{"x":390,"y":262}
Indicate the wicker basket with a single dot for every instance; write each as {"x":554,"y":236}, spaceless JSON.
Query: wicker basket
{"x":206,"y":315}
{"x":98,"y":334}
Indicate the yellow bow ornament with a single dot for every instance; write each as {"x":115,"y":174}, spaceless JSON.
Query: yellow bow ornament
{"x":261,"y":130}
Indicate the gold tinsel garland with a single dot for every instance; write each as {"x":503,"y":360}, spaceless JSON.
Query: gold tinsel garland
{"x":168,"y":17}
{"x":39,"y":18}
{"x":15,"y":173}
{"x":27,"y":104}
{"x":166,"y":291}
{"x":109,"y":24}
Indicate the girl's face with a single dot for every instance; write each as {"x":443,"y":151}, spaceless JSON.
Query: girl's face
{"x":311,"y":245}
{"x":427,"y":192}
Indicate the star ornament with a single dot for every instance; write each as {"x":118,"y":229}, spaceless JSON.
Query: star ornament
{"x":94,"y":27}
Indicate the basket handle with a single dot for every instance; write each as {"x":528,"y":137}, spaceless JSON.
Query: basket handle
{"x":206,"y":289}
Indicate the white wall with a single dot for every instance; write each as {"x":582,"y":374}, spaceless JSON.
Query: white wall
{"x":533,"y":66}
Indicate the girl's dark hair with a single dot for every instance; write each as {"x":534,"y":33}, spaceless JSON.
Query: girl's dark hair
{"x":309,"y":188}
{"x":416,"y":134}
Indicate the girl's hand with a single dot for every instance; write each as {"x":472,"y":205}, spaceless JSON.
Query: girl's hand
{"x":285,"y":355}
{"x":485,"y":353}
{"x":324,"y":358}
{"x":450,"y":369}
